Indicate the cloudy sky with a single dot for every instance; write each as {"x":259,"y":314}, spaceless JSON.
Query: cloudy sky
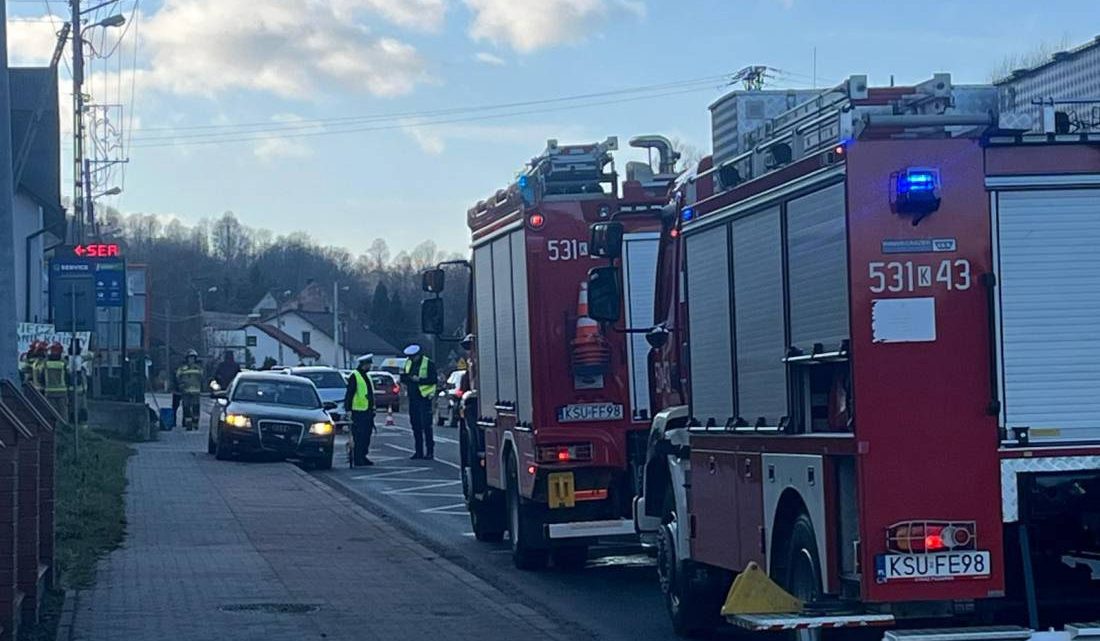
{"x":354,"y":119}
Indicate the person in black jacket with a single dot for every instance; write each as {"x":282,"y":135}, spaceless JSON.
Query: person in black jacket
{"x":227,"y":370}
{"x":359,"y":405}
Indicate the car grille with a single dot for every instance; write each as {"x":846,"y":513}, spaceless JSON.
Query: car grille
{"x":280,"y":435}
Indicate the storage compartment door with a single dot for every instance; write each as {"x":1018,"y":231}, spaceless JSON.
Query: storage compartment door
{"x":486,"y":331}
{"x":639,"y":281}
{"x":1048,"y":257}
{"x":710,"y":338}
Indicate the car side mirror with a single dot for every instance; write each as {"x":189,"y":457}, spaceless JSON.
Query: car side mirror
{"x":657,"y":337}
{"x":604,"y":299}
{"x":433,"y":280}
{"x":606,"y":240}
{"x":329,"y":406}
{"x":431,"y":316}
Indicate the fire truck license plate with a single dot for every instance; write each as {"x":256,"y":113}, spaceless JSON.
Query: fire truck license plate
{"x":590,"y":412}
{"x":943,"y":566}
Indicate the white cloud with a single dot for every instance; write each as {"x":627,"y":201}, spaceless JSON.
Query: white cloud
{"x":31,"y":41}
{"x":293,"y":50}
{"x":274,"y":147}
{"x":422,"y":15}
{"x":429,"y":142}
{"x":529,"y":25}
{"x":489,"y":59}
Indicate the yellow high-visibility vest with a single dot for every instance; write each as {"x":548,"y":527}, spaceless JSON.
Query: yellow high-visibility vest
{"x":427,"y":390}
{"x":189,"y":378}
{"x":362,"y":400}
{"x":54,"y":372}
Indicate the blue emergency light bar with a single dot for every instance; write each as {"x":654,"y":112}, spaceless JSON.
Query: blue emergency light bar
{"x":916,"y":192}
{"x":687,"y":214}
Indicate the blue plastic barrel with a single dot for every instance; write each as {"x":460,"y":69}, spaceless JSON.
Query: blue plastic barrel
{"x":167,"y":418}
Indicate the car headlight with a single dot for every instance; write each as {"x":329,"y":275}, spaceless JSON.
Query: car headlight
{"x":237,"y":420}
{"x":321,"y":429}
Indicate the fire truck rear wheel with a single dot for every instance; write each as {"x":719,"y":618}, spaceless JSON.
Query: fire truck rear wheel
{"x":486,"y":521}
{"x":525,"y":556}
{"x":685,"y":609}
{"x":800,"y":571}
{"x":569,"y":558}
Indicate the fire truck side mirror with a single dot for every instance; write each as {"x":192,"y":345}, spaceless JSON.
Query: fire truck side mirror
{"x":432,"y":280}
{"x":431,"y":316}
{"x":604,"y":298}
{"x":606,"y":240}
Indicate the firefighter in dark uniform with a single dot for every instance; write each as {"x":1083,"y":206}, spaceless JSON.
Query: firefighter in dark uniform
{"x":359,"y":404}
{"x":421,"y":379}
{"x":189,"y":386}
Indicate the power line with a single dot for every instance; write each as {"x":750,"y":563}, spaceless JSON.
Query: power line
{"x":346,"y":130}
{"x":298,"y":124}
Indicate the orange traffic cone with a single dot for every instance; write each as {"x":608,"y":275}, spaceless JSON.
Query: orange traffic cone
{"x":591,"y":352}
{"x":389,"y":417}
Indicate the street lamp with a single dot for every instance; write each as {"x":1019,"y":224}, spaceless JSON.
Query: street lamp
{"x":116,"y":20}
{"x":279,"y":322}
{"x":202,"y":317}
{"x":113,"y":191}
{"x":338,"y":346}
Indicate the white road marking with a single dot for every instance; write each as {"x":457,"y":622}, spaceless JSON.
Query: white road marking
{"x":441,"y":439}
{"x":437,"y":460}
{"x":396,"y":471}
{"x":446,"y":509}
{"x":429,"y":486}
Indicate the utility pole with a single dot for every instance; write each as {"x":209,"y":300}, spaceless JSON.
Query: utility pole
{"x":336,"y":324}
{"x":167,"y":342}
{"x":9,"y":350}
{"x":80,"y":190}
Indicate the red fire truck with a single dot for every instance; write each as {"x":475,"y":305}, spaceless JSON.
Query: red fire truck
{"x":555,"y":425}
{"x":873,"y":373}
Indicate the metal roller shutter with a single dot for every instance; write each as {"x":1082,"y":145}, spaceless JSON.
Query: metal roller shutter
{"x":504,"y":320}
{"x":1050,"y":311}
{"x":486,"y":331}
{"x":523,"y":329}
{"x":817,"y":254}
{"x":761,"y":339}
{"x":708,"y":280}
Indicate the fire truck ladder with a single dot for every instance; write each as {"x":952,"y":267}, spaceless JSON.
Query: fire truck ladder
{"x":838,"y":116}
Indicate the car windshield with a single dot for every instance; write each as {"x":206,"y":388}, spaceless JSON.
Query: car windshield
{"x":324,"y":379}
{"x":277,"y":393}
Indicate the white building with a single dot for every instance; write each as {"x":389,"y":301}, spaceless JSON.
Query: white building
{"x":1069,"y":82}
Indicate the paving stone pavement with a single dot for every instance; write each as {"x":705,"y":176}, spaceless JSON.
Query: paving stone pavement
{"x":204,"y":537}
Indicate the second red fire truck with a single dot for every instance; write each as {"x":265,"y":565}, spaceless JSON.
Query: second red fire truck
{"x":556,"y":421}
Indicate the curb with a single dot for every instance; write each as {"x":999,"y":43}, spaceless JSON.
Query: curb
{"x":66,"y":623}
{"x":445,"y":560}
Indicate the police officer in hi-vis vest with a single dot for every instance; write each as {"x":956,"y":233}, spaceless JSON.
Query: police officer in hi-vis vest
{"x":420,"y":380}
{"x":359,"y":404}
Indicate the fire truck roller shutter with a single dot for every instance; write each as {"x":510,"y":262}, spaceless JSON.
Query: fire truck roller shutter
{"x":505,"y":321}
{"x":523,"y":327}
{"x":486,"y":331}
{"x":710,"y":344}
{"x":761,"y":339}
{"x":817,"y":250}
{"x":640,"y":280}
{"x":1046,"y":244}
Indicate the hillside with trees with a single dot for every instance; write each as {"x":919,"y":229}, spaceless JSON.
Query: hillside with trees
{"x":223,"y":265}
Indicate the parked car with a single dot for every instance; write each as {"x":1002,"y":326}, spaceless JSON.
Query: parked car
{"x":387,"y":391}
{"x":331,"y":385}
{"x":272,"y":413}
{"x":448,"y":405}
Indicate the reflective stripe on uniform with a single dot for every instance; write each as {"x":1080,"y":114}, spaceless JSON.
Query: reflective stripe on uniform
{"x":190,"y":379}
{"x":361,"y":401}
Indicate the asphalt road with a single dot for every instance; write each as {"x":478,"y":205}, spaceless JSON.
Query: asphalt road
{"x":615,"y":598}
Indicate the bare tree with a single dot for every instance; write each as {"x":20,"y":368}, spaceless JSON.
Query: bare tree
{"x":690,"y":155}
{"x":378,"y":255}
{"x":1034,"y":57}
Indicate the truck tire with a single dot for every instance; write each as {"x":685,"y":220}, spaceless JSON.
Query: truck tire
{"x":569,"y":558}
{"x":525,"y":556}
{"x":799,"y":570}
{"x":486,"y":521}
{"x":686,"y":610}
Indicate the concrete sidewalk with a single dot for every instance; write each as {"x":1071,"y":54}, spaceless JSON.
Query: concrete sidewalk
{"x":219,"y":550}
